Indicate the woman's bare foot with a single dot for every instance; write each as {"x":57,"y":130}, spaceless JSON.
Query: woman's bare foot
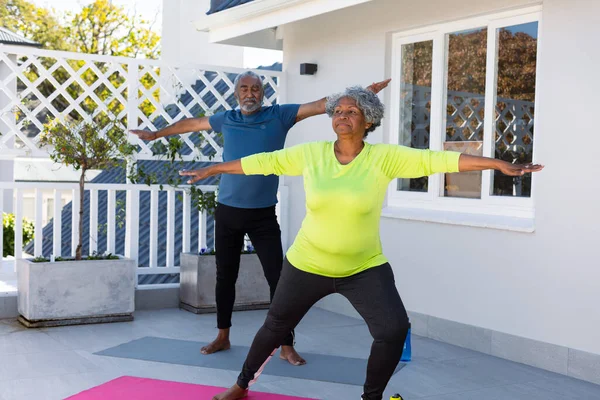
{"x":289,"y":353}
{"x":219,"y":344}
{"x":233,"y":393}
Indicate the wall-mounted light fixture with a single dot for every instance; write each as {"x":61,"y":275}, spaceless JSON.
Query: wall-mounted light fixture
{"x":308,"y":69}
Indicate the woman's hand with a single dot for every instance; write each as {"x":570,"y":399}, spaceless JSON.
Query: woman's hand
{"x":476,"y":163}
{"x":518,"y":169}
{"x":197,"y":174}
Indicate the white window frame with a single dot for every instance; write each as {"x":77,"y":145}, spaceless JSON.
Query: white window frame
{"x":502,"y":212}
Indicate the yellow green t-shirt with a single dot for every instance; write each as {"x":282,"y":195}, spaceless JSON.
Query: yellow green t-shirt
{"x":339,"y":236}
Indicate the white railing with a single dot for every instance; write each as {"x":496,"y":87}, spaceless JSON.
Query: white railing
{"x":144,"y":94}
{"x":131,"y":220}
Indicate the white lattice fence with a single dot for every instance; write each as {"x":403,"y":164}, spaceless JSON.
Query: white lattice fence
{"x":39,"y":85}
{"x":514,"y":121}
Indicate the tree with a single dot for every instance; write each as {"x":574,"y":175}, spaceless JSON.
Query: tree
{"x":467,"y":53}
{"x":36,"y":23}
{"x":99,"y":144}
{"x":99,"y":28}
{"x":104,"y":28}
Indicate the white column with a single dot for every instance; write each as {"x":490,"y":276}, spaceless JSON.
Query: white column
{"x":202,"y":230}
{"x":39,"y":225}
{"x":132,"y":224}
{"x":7,"y":166}
{"x":153,"y":258}
{"x":75,"y":221}
{"x":93,"y":222}
{"x":19,"y":224}
{"x":186,"y":236}
{"x":110,"y":221}
{"x":57,"y":225}
{"x":170,"y":228}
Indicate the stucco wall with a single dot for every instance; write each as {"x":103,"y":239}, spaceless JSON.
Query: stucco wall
{"x":543,"y":285}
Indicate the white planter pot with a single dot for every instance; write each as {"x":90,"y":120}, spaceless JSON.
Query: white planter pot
{"x":198,"y":277}
{"x":75,"y":292}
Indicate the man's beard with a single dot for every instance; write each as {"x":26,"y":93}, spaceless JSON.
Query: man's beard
{"x":250,"y":106}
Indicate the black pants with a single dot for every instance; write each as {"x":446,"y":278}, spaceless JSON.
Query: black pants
{"x":231,"y":225}
{"x":373,"y":294}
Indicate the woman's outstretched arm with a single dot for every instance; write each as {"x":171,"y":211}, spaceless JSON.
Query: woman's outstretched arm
{"x":474,"y":163}
{"x":230,"y":167}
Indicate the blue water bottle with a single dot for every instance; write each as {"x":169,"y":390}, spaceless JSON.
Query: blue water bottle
{"x":406,"y":352}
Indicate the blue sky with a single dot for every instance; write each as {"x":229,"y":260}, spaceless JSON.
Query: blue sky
{"x":530,"y":28}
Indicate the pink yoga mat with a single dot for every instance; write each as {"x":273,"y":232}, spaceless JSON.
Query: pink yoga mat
{"x":132,"y":388}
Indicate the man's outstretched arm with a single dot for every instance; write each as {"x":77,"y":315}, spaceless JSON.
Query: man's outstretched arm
{"x":183,"y":126}
{"x":318,"y":107}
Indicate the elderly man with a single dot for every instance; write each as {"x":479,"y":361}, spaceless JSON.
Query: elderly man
{"x":246,"y":204}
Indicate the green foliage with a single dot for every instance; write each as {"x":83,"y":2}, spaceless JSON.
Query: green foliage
{"x":94,"y":256}
{"x":36,"y":23}
{"x":211,"y":252}
{"x":467,"y":53}
{"x":8,"y":238}
{"x":99,"y":28}
{"x":98,"y":144}
{"x":171,"y":153}
{"x":203,"y":200}
{"x":104,"y":28}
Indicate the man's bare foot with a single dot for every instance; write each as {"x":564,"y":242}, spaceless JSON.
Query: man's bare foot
{"x":219,"y":344}
{"x":233,"y":393}
{"x":216,"y":345}
{"x":289,"y":353}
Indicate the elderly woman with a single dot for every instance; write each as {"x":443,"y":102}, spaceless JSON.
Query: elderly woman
{"x":338,"y":249}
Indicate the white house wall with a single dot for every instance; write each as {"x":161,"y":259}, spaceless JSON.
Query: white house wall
{"x":6,"y":167}
{"x":542,"y":285}
{"x":182,"y":44}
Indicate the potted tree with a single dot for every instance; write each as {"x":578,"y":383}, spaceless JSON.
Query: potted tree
{"x":89,"y":288}
{"x":198,"y":270}
{"x":198,"y":277}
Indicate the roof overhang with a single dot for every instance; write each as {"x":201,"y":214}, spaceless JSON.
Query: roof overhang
{"x":264,"y":15}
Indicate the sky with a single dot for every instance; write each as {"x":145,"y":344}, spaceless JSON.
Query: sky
{"x":530,"y":28}
{"x":151,"y":10}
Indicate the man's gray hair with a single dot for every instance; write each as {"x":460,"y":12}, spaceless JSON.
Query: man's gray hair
{"x":245,"y":74}
{"x":367,"y":101}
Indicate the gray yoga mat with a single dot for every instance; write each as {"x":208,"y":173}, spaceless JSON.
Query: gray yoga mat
{"x":319,"y":367}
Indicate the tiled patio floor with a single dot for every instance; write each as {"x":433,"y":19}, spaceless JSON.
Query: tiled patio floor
{"x":55,"y":363}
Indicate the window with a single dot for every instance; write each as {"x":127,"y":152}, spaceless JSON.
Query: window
{"x":467,"y":86}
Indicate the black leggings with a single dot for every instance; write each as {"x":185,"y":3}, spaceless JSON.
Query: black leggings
{"x":373,"y":294}
{"x":231,"y":224}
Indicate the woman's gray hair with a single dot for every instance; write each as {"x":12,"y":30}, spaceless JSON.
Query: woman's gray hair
{"x":367,"y":101}
{"x":245,"y":74}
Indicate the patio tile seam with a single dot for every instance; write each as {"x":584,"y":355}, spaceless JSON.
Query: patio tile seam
{"x":485,"y":387}
{"x":50,"y":375}
{"x":53,"y":375}
{"x":292,"y":379}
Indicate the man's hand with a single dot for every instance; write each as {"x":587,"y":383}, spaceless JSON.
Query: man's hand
{"x":318,"y":107}
{"x":144,"y":135}
{"x":377,"y":87}
{"x":184,"y":126}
